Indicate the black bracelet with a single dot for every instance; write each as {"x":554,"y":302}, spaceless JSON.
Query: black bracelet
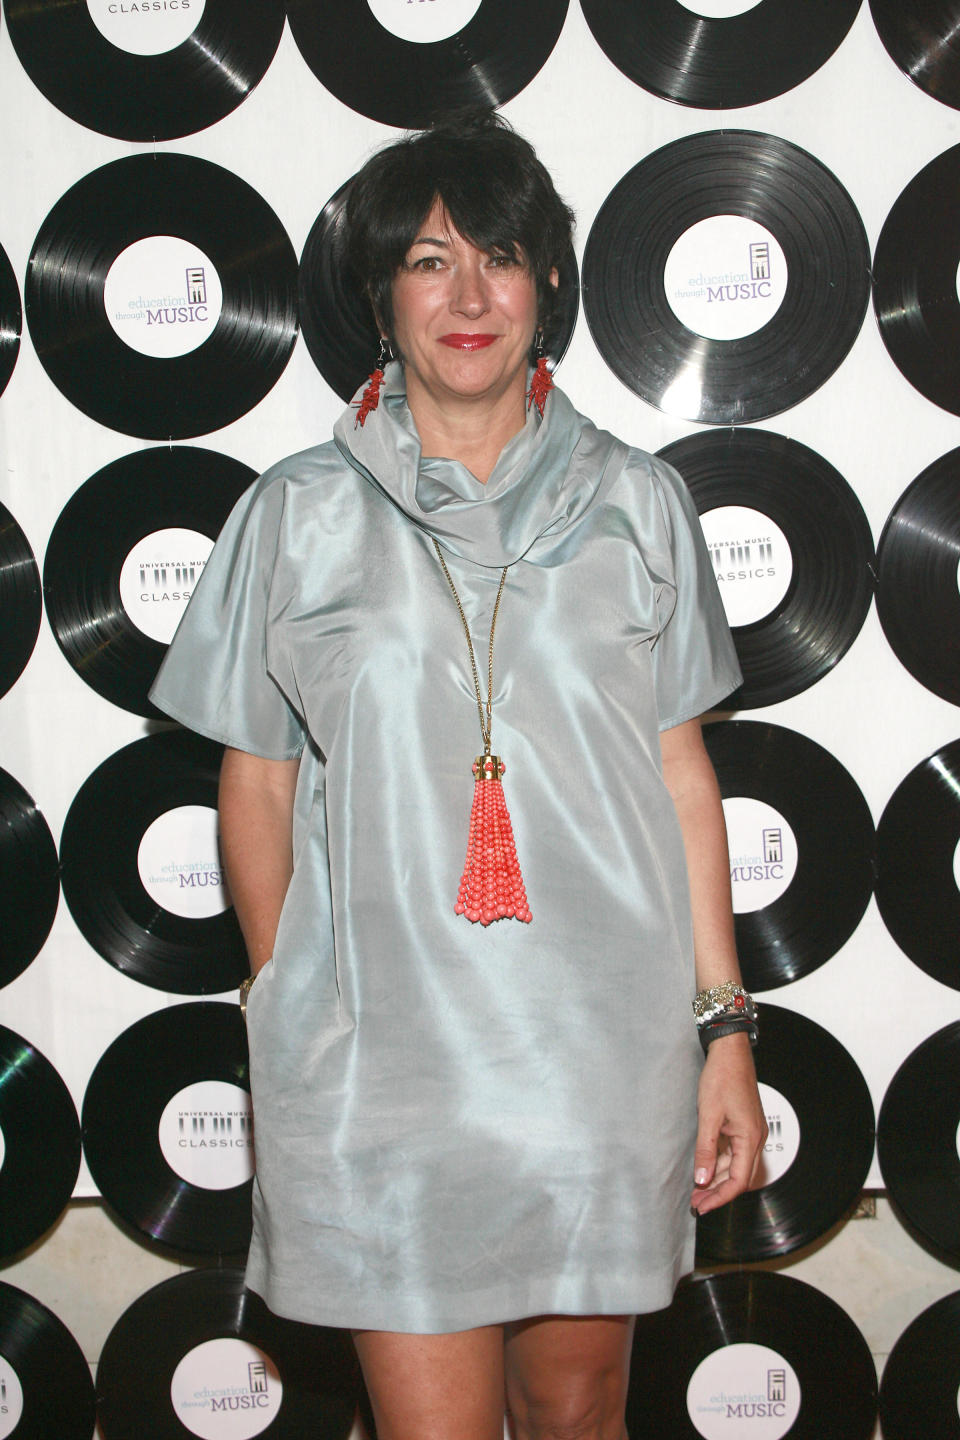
{"x":727,"y":1027}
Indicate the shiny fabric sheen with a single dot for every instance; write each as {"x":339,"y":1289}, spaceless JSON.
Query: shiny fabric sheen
{"x":457,"y":1125}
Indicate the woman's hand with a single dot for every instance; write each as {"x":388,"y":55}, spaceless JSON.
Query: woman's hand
{"x":732,"y":1129}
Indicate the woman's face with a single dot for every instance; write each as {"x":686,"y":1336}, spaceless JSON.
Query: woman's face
{"x":464,"y":320}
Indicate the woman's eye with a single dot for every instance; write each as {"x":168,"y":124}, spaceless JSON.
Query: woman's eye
{"x":502,"y":262}
{"x":429,"y":263}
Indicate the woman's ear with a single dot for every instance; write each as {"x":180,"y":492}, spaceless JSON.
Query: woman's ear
{"x":554,"y":277}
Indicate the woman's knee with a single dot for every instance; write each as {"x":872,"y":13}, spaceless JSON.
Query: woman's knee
{"x":567,"y":1378}
{"x":569,"y":1417}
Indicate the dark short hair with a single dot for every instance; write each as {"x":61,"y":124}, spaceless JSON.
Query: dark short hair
{"x":495,"y":191}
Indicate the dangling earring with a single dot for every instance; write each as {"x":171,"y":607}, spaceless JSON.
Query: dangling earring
{"x":370,"y":398}
{"x":542,"y":382}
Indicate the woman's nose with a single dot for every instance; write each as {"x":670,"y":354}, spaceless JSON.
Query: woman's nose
{"x":470,"y":295}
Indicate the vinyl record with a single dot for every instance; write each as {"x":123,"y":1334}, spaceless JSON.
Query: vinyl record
{"x":41,"y":1144}
{"x":751,"y":1352}
{"x":674,"y":51}
{"x":29,"y":879}
{"x":917,"y":1141}
{"x":45,"y":1384}
{"x":141,"y":867}
{"x":161,"y":296}
{"x":818,"y":1152}
{"x":918,"y":578}
{"x":921,"y":38}
{"x":336,"y":319}
{"x":921,"y":1379}
{"x":918,"y":865}
{"x":11,"y":318}
{"x":123,"y":559}
{"x":19,"y":600}
{"x":199,"y":1340}
{"x":145,"y":71}
{"x":915,"y":281}
{"x":407,"y":65}
{"x":714,"y":264}
{"x":801,"y":848}
{"x":792,"y":552}
{"x":168,"y":1128}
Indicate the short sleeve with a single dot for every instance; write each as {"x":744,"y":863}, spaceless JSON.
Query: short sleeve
{"x":216,"y":676}
{"x":694,"y":659}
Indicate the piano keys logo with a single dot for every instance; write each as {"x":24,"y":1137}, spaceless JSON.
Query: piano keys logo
{"x":158,"y":577}
{"x":206,"y":1135}
{"x":752,"y":561}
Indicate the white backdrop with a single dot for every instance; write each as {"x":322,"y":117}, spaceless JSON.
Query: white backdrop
{"x":296,"y":144}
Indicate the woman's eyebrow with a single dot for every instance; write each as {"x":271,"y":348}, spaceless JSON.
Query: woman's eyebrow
{"x":428,"y":240}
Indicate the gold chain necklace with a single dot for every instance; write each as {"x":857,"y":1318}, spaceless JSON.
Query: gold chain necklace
{"x":491,"y":887}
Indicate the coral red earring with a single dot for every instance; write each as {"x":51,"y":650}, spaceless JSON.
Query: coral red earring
{"x":542,"y":382}
{"x":370,"y":398}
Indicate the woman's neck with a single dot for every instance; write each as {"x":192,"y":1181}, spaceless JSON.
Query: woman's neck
{"x":471,"y":431}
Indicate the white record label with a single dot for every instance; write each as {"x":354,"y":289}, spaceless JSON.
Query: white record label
{"x":146,"y":27}
{"x":226,"y":1389}
{"x":783,"y":1141}
{"x":752,"y":561}
{"x":423,"y":22}
{"x":163,"y":296}
{"x":725,"y":277}
{"x":743,"y":1392}
{"x":158,"y":577}
{"x":179,"y":862}
{"x":11,"y":1398}
{"x":206,"y":1135}
{"x":763,"y":853}
{"x":719,"y":9}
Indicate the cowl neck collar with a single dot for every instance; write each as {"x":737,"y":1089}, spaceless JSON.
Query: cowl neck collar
{"x":546,"y":476}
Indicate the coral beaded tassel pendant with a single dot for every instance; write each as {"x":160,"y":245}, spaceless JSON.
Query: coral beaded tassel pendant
{"x":491,"y":887}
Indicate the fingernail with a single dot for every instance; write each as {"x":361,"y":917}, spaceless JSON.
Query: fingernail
{"x":700,"y":1177}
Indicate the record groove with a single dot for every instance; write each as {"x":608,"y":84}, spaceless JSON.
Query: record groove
{"x":11,"y":318}
{"x":918,"y":865}
{"x":20,"y":602}
{"x":915,"y":281}
{"x":337,"y":322}
{"x":41,"y":1139}
{"x":917,"y":1137}
{"x":799,"y":205}
{"x":94,"y":547}
{"x":921,"y":1379}
{"x":822,"y":1083}
{"x":203,"y":74}
{"x":409,"y":83}
{"x":156,"y":798}
{"x":918,"y":578}
{"x":819,"y":1384}
{"x":186,"y":254}
{"x":823,"y":606}
{"x":29,"y":879}
{"x":44,"y":1379}
{"x":719,"y":63}
{"x":922,"y":39}
{"x":207,"y":1135}
{"x":819,"y":907}
{"x":146,"y":1383}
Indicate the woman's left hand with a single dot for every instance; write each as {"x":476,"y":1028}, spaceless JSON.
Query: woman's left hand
{"x":732,"y":1129}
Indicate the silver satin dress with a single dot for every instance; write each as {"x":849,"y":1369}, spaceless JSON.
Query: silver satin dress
{"x":457,"y":1124}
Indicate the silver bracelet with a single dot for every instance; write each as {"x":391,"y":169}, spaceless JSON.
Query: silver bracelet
{"x":728,"y":1000}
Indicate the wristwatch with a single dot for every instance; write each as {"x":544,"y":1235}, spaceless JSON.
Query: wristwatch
{"x":245,"y":988}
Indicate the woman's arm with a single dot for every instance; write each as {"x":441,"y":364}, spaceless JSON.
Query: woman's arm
{"x":256,"y":838}
{"x":732,"y":1129}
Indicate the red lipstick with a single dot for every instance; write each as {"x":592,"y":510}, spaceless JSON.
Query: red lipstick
{"x":467,"y":342}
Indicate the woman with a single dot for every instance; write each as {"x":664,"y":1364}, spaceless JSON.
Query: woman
{"x":475,"y":1136}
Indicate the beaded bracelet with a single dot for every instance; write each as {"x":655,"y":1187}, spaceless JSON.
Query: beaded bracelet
{"x":728,"y":999}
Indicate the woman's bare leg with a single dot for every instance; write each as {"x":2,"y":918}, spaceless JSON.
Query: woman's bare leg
{"x":567,"y":1376}
{"x":434,"y":1387}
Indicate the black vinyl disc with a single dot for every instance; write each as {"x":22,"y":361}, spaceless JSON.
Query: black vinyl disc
{"x":813,"y":594}
{"x":141,"y":871}
{"x":336,"y":319}
{"x":751,"y":1352}
{"x":719,"y":63}
{"x":168,"y":1129}
{"x":145,"y":72}
{"x":918,"y":865}
{"x":419,"y":69}
{"x":11,"y":317}
{"x":921,"y":1379}
{"x":45,"y":1384}
{"x":196,"y":271}
{"x":807,"y":790}
{"x":915,"y":281}
{"x":193,"y":1342}
{"x":20,"y":602}
{"x":918,"y":578}
{"x":123,"y":559}
{"x":917,"y":1138}
{"x":922,"y":38}
{"x":745,"y":184}
{"x":826,"y":1126}
{"x":41,"y":1144}
{"x":29,"y":879}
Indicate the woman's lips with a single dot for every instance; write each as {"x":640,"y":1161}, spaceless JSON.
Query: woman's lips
{"x":467,"y":342}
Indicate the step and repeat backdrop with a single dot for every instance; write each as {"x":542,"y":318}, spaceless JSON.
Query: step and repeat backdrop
{"x":765,"y":291}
